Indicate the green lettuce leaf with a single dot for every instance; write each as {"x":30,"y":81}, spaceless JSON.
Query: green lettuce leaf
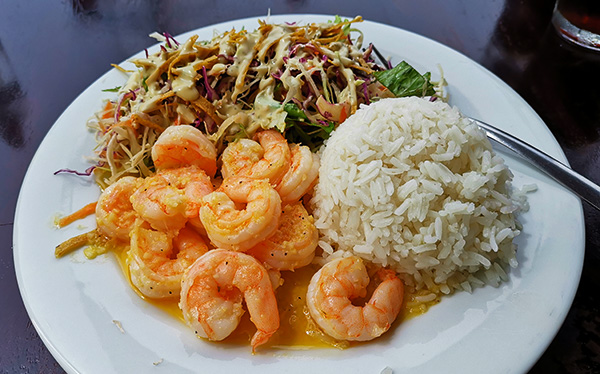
{"x":299,"y":129}
{"x":403,"y":80}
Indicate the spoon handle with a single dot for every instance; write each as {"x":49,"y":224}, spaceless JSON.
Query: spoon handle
{"x":570,"y":179}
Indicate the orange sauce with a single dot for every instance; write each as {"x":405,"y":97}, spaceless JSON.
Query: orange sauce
{"x":297,"y":330}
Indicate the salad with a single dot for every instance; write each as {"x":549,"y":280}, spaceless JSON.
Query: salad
{"x":303,"y":80}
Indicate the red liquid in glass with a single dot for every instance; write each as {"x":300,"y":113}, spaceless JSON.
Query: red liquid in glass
{"x":584,"y":14}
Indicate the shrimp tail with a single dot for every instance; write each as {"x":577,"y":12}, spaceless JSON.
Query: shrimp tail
{"x":260,"y":338}
{"x":386,"y":274}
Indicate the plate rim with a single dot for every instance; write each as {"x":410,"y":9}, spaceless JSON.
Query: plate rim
{"x":64,"y":361}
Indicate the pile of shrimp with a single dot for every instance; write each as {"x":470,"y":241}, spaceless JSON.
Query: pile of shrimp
{"x":217,"y":232}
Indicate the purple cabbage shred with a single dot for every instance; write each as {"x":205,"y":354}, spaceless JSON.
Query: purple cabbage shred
{"x":170,"y":37}
{"x":277,"y":74}
{"x":367,"y":54}
{"x":131,"y":94}
{"x":294,"y":50}
{"x":366,"y":93}
{"x":197,"y":124}
{"x":85,"y":173}
{"x":210,"y":92}
{"x":307,"y":101}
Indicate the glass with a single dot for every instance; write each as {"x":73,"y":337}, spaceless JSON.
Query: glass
{"x":578,"y":21}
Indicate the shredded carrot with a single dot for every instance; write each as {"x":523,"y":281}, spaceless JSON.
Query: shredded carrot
{"x":81,"y":213}
{"x":108,"y":113}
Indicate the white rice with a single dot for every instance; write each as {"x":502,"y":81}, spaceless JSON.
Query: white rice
{"x":411,"y":184}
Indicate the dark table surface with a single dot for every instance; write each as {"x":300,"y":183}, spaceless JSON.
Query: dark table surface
{"x":50,"y":51}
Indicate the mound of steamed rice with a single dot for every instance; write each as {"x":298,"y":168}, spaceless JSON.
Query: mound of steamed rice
{"x":411,"y":184}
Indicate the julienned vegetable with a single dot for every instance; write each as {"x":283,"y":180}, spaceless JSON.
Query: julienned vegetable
{"x":302,"y":80}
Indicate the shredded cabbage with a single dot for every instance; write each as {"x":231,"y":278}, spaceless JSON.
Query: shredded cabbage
{"x":302,"y":80}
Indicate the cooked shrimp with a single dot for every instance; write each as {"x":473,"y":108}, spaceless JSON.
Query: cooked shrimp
{"x":195,"y":184}
{"x":301,"y":176}
{"x":244,"y":158}
{"x":170,"y":198}
{"x":239,"y":229}
{"x":212,"y":292}
{"x":293,"y":244}
{"x":114,"y":213}
{"x":240,"y":156}
{"x":330,"y":295}
{"x":183,"y":145}
{"x":157,"y":259}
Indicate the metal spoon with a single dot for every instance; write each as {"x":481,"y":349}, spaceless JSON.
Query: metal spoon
{"x":570,"y":179}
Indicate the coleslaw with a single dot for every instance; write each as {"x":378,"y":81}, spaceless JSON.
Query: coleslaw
{"x":300,"y":79}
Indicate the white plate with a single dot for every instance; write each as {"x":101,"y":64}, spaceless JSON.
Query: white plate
{"x":73,"y":301}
